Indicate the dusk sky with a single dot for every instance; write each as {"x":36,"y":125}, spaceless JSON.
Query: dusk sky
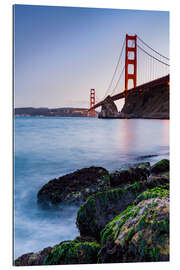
{"x":62,"y":52}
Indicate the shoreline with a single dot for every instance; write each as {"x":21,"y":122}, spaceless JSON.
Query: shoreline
{"x":100,"y":183}
{"x":147,"y":118}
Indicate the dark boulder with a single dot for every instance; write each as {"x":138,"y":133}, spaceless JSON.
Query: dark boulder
{"x":160,"y":167}
{"x":131,"y":175}
{"x":74,"y":187}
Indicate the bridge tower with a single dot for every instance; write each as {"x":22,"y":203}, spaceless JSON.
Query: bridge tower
{"x":131,"y":59}
{"x":92,"y":103}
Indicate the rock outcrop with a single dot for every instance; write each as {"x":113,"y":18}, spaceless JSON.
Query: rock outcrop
{"x":129,"y":176}
{"x":139,"y":234}
{"x":101,"y":208}
{"x":74,"y":187}
{"x":33,"y":258}
{"x":151,"y":103}
{"x":73,"y":252}
{"x":126,"y":222}
{"x":160,"y":167}
{"x":109,"y":109}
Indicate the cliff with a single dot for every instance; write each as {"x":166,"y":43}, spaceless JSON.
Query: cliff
{"x":151,"y":103}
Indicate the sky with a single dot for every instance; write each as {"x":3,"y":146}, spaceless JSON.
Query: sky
{"x":60,"y":53}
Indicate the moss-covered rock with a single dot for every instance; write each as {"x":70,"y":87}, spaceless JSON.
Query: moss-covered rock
{"x":157,"y":192}
{"x":131,"y":175}
{"x":74,"y":187}
{"x":101,"y":208}
{"x":138,"y":234}
{"x":160,"y":167}
{"x":73,"y":252}
{"x":32,"y":258}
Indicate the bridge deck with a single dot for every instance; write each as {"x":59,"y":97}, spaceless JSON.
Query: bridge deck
{"x":142,"y":87}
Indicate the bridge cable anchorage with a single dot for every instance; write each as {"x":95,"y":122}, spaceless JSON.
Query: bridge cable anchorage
{"x":115,"y":70}
{"x":118,"y":81}
{"x":152,"y":48}
{"x":153,"y":56}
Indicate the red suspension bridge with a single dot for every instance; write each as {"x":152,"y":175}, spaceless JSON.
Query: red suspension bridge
{"x":144,"y":67}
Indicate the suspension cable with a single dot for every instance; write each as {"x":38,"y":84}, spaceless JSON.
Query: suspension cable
{"x":115,"y":70}
{"x":152,"y":48}
{"x":118,"y":81}
{"x":153,"y":56}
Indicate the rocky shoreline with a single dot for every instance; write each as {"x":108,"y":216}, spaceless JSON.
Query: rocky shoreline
{"x":152,"y":103}
{"x":123,"y":216}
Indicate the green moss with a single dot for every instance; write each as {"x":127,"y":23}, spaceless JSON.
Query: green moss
{"x":161,"y":226}
{"x":136,"y":212}
{"x":147,"y":250}
{"x":134,"y":188}
{"x":154,"y":253}
{"x":157,"y":192}
{"x":142,"y":250}
{"x":160,"y":166}
{"x":73,"y":252}
{"x":142,"y":224}
{"x":108,"y":233}
{"x":145,"y":165}
{"x":130,"y":234}
{"x":106,"y":179}
{"x":16,"y":263}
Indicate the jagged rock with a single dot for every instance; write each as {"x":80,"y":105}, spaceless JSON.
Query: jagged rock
{"x":73,"y":252}
{"x":161,"y":166}
{"x":109,"y":109}
{"x":138,"y":234}
{"x":101,"y":208}
{"x":74,"y":187}
{"x":32,"y":258}
{"x":131,"y":175}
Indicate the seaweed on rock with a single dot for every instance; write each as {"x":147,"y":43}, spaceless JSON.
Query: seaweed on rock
{"x":73,"y":252}
{"x":140,"y":233}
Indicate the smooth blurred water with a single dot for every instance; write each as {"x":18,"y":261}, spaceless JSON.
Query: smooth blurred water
{"x":48,"y":147}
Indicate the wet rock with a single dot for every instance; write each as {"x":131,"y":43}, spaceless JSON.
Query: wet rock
{"x":160,"y":167}
{"x":73,"y":252}
{"x":147,"y":156}
{"x":32,"y":258}
{"x":131,"y":175}
{"x":74,"y":187}
{"x":138,"y":234}
{"x":102,"y":207}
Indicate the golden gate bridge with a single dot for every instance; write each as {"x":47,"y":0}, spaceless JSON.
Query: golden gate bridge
{"x":139,"y":64}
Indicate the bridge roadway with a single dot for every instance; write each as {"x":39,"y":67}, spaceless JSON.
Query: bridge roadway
{"x":160,"y":81}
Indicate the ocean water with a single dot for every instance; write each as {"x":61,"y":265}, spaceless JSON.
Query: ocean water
{"x":48,"y":147}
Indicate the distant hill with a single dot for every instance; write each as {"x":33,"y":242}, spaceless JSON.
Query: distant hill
{"x":64,"y":112}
